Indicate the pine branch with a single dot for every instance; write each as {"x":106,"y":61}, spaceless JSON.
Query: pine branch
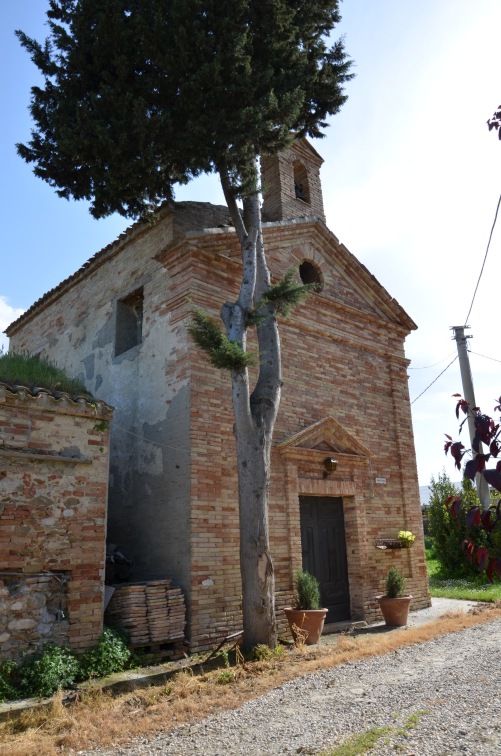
{"x":287,"y":294}
{"x":224,"y":354}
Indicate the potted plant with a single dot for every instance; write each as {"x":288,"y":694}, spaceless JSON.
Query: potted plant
{"x":406,"y":538}
{"x":394,"y":605}
{"x":306,"y":618}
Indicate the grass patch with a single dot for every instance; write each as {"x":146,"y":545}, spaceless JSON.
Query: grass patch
{"x":36,"y":372}
{"x":443,"y":585}
{"x":99,"y":719}
{"x":360,"y":744}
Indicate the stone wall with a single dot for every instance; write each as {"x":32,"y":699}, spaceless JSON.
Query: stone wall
{"x":33,"y":610}
{"x":53,"y":499}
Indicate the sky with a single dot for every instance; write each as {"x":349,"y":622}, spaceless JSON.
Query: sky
{"x":411,"y":182}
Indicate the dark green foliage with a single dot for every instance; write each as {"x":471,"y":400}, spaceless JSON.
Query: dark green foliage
{"x":54,"y":667}
{"x":110,"y":655}
{"x":43,"y":673}
{"x":449,"y":532}
{"x":140,"y":94}
{"x":287,"y":293}
{"x":9,"y":673}
{"x":395,"y":583}
{"x":36,"y":372}
{"x":307,"y":591}
{"x":208,"y":334}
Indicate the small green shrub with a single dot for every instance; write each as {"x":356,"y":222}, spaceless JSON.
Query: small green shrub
{"x":110,"y":655}
{"x":9,"y":673}
{"x":225,"y":677}
{"x":307,"y":591}
{"x":261,"y":652}
{"x":449,"y":532}
{"x":55,"y":667}
{"x":43,"y":673}
{"x":395,"y":583}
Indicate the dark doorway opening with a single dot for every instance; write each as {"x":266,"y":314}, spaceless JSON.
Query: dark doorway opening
{"x":323,"y":546}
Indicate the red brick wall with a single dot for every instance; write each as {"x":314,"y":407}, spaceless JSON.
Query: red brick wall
{"x":278,"y":185}
{"x":53,"y":497}
{"x":343,"y":357}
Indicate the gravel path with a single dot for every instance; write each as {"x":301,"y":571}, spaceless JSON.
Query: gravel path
{"x":448,"y":688}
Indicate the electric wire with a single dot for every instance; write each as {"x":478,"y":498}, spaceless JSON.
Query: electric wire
{"x":469,"y":311}
{"x":485,"y":258}
{"x":484,"y":355}
{"x":149,"y":440}
{"x":425,"y":367}
{"x":434,"y":381}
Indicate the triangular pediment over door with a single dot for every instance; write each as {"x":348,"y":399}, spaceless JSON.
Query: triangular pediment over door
{"x":306,"y":451}
{"x":327,"y":435}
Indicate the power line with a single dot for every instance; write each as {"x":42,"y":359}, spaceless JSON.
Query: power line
{"x":436,"y":379}
{"x":149,"y":440}
{"x":484,"y":355}
{"x":485,"y":258}
{"x":425,"y":367}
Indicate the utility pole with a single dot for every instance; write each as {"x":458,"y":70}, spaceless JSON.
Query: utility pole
{"x":469,"y":395}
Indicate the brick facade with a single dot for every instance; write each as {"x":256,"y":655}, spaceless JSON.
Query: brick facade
{"x":173,"y":490}
{"x":53,"y":500}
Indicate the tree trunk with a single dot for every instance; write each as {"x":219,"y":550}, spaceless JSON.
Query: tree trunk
{"x":256,"y":566}
{"x":255,"y":416}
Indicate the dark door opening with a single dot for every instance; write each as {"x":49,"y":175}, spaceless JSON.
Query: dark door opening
{"x":323,"y":546}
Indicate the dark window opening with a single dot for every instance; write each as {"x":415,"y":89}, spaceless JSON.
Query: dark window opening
{"x":129,"y":324}
{"x":301,"y":186}
{"x":310,"y":274}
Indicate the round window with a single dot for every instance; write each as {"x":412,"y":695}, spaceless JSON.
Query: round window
{"x":310,"y":274}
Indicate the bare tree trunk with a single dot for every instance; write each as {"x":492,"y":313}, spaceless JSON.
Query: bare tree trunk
{"x":255,"y":415}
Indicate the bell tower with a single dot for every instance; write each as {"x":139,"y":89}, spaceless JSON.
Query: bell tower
{"x":291,"y":183}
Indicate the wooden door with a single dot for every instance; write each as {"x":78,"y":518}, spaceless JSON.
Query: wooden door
{"x":323,"y":546}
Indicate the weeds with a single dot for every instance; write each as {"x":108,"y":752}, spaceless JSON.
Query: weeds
{"x":54,"y":667}
{"x":364,"y":742}
{"x":264,"y":653}
{"x":98,"y":719}
{"x":225,"y":677}
{"x":110,"y":655}
{"x":358,"y":744}
{"x":32,"y":372}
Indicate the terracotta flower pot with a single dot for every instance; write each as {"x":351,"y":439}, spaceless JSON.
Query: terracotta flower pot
{"x":309,"y":621}
{"x":395,"y":610}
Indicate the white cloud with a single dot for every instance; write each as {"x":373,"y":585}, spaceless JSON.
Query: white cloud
{"x":7,"y":315}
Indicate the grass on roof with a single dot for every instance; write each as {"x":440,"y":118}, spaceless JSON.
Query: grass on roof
{"x":37,"y":372}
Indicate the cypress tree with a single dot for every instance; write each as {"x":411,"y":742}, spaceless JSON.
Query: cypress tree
{"x":141,"y":94}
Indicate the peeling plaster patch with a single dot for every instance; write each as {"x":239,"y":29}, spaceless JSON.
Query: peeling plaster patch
{"x":89,"y":366}
{"x":72,"y":452}
{"x":151,"y":459}
{"x":207,"y":582}
{"x":99,"y":380}
{"x":104,"y":336}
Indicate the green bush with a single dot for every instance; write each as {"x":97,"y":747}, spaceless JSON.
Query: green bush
{"x":307,"y":591}
{"x":52,"y":668}
{"x":110,"y":655}
{"x":449,"y":532}
{"x":55,"y":667}
{"x":395,"y":583}
{"x":9,"y":672}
